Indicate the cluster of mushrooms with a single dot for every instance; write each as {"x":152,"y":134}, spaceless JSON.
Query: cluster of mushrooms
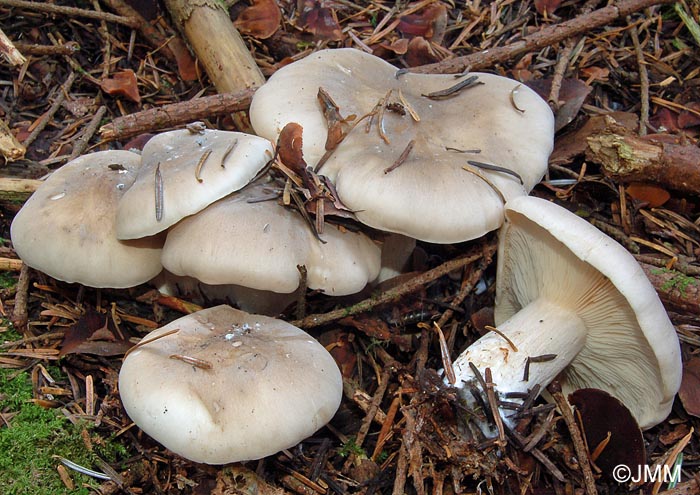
{"x":437,"y":158}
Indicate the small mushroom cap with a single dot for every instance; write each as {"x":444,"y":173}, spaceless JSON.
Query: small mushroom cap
{"x":67,"y":229}
{"x":428,"y":195}
{"x":631,"y":350}
{"x":260,"y":244}
{"x":224,"y":161}
{"x":258,"y":385}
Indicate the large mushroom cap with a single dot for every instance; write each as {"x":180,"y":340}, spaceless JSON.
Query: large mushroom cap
{"x":428,"y":196}
{"x":67,"y":227}
{"x":183,"y":172}
{"x":257,"y":386}
{"x":259,"y":244}
{"x":629,"y":347}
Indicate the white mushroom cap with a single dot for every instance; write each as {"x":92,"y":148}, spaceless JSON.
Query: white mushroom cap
{"x":565,"y":288}
{"x":260,"y":244}
{"x":429,"y":196}
{"x":180,"y":159}
{"x":66,"y":229}
{"x":241,"y":387}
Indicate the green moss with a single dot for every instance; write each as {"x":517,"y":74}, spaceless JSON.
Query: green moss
{"x":679,"y":281}
{"x":7,"y":280}
{"x":351,"y":448}
{"x":35,"y":436}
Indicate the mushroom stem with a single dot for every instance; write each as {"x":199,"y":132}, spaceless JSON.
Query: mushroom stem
{"x":543,"y":337}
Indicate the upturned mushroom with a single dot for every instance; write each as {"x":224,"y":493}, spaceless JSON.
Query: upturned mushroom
{"x":221,"y":385}
{"x":259,"y":244}
{"x":432,"y":157}
{"x":574,"y":305}
{"x":184,"y":171}
{"x":67,"y":228}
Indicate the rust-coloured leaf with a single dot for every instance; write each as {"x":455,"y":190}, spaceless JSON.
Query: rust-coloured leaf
{"x":420,"y":52}
{"x":186,"y":64}
{"x":690,"y":387}
{"x":546,"y":7}
{"x":122,"y":83}
{"x":651,"y":194}
{"x":261,"y":20}
{"x":690,"y":117}
{"x":594,"y":73}
{"x":430,"y":23}
{"x":571,"y":96}
{"x":398,"y":46}
{"x":605,"y":416}
{"x":94,"y":334}
{"x":289,"y":146}
{"x":664,"y":120}
{"x":320,"y":21}
{"x":378,"y":329}
{"x":675,"y":434}
{"x":338,"y":344}
{"x":138,"y":142}
{"x":483,"y":318}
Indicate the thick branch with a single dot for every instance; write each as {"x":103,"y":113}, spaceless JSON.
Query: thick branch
{"x":412,"y":285}
{"x":628,"y":158}
{"x":544,"y":37}
{"x":176,"y":114}
{"x":217,"y":43}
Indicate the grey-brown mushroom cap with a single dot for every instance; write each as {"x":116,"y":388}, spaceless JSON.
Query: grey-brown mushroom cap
{"x":259,"y":244}
{"x":269,"y":385}
{"x":67,"y":229}
{"x":631,"y":349}
{"x":428,"y":196}
{"x":183,"y":172}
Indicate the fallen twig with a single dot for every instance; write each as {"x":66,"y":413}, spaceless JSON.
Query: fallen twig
{"x":541,"y":38}
{"x":576,"y":438}
{"x":176,"y":114}
{"x":412,"y":285}
{"x":70,"y":12}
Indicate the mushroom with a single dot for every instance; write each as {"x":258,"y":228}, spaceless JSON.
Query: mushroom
{"x":574,"y":305}
{"x":263,"y":302}
{"x":221,"y":385}
{"x":429,"y":160}
{"x":67,"y":228}
{"x":259,"y":244}
{"x":182,"y":172}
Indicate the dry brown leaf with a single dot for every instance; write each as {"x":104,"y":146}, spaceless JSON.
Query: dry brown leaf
{"x":690,"y":386}
{"x":664,"y":120}
{"x":261,"y":20}
{"x":572,"y":94}
{"x":122,"y":83}
{"x":420,"y":52}
{"x":398,"y":46}
{"x":338,"y":343}
{"x":320,"y":21}
{"x":651,"y":194}
{"x":93,"y":334}
{"x":546,"y":7}
{"x":691,"y":117}
{"x":674,"y":435}
{"x":186,"y":64}
{"x":603,"y":415}
{"x":289,"y":146}
{"x":430,"y":23}
{"x":594,"y":73}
